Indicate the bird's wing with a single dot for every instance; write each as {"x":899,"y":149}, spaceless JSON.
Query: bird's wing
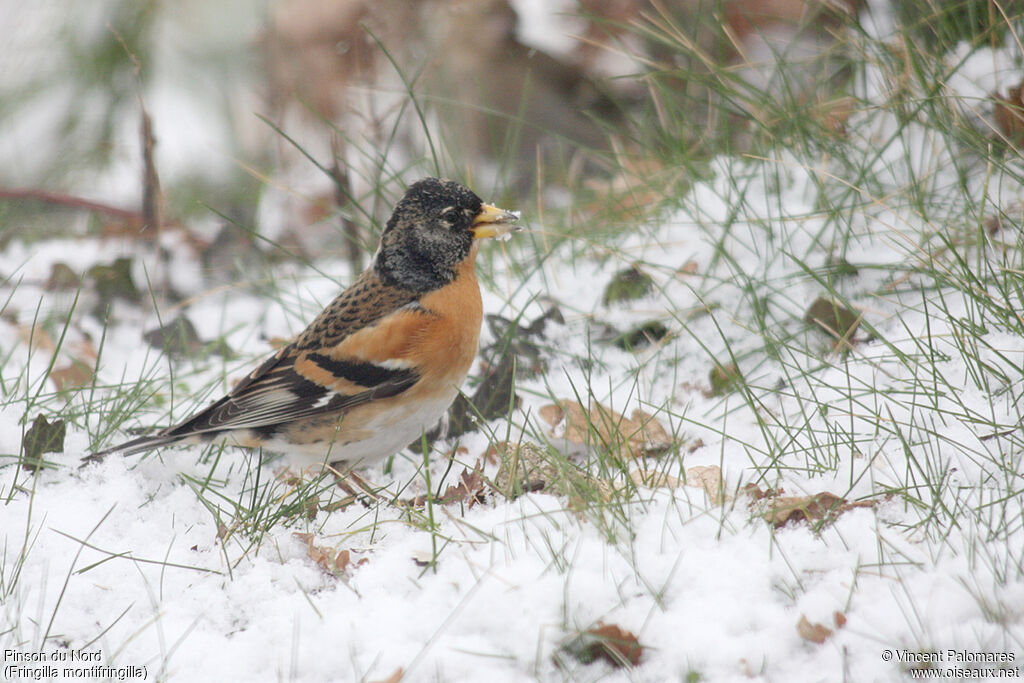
{"x":349,"y":355}
{"x":284,"y":391}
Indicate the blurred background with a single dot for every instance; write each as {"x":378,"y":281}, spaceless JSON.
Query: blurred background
{"x":295,"y":123}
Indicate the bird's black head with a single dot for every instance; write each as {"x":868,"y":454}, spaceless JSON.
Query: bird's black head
{"x":431,"y":231}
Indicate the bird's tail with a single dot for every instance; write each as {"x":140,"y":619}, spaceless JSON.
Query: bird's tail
{"x":143,"y":443}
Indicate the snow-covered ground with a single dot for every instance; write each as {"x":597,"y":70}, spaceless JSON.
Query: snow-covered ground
{"x":130,"y":562}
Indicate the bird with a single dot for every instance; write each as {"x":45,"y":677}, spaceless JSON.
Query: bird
{"x":383,"y":361}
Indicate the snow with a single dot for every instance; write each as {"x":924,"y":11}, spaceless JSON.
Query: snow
{"x":128,"y":557}
{"x":548,"y":25}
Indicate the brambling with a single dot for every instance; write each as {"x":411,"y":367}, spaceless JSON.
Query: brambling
{"x":383,"y":361}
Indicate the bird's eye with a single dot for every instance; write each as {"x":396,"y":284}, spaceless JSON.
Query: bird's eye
{"x":448,"y":215}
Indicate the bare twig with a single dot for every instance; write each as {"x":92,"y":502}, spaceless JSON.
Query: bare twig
{"x":151,"y":213}
{"x":69,"y":201}
{"x":343,"y":198}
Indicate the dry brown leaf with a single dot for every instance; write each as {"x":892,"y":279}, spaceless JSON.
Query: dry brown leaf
{"x":709,"y":478}
{"x":1009,"y":114}
{"x":396,"y":677}
{"x":782,"y":510}
{"x":613,"y":644}
{"x":496,"y":451}
{"x":815,"y":633}
{"x":36,"y":337}
{"x":342,"y":559}
{"x":74,"y":375}
{"x":785,"y":509}
{"x":470,"y":490}
{"x":689,"y":268}
{"x":655,"y":436}
{"x":756,"y":493}
{"x":839,"y":619}
{"x":642,"y":434}
{"x":551,"y":413}
{"x":655,"y":479}
{"x":332,"y":561}
{"x":84,"y":350}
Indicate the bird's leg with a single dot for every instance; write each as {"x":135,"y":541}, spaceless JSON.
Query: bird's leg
{"x":356,"y":488}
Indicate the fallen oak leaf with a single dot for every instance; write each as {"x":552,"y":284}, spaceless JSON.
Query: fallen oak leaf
{"x":79,"y":372}
{"x":319,"y":555}
{"x":470,"y":488}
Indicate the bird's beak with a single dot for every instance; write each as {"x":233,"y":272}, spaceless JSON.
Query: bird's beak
{"x":494,"y":222}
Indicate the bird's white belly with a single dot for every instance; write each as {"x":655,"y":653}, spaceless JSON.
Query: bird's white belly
{"x":392,"y":430}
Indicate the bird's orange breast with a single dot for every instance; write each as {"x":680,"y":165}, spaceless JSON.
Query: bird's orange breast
{"x":438,"y":338}
{"x":449,"y":341}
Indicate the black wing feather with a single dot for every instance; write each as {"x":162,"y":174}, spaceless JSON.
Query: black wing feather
{"x":280,"y":394}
